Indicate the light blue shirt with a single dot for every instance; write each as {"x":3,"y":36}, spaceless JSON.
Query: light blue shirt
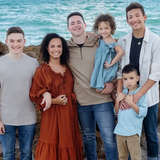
{"x":101,"y":75}
{"x":129,"y":122}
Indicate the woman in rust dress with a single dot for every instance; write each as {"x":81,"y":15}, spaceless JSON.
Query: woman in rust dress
{"x":52,"y":91}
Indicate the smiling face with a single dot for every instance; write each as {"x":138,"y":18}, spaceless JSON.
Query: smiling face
{"x":55,"y":48}
{"x":136,"y":19}
{"x":15,"y":43}
{"x":104,"y":29}
{"x":76,"y":25}
{"x":130,"y":80}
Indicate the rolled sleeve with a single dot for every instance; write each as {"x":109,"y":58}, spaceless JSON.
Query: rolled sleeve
{"x":143,"y":107}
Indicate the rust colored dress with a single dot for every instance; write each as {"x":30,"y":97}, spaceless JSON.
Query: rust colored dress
{"x":60,"y":137}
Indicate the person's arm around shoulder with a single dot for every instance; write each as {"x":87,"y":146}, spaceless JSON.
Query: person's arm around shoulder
{"x":143,"y":107}
{"x":149,"y":83}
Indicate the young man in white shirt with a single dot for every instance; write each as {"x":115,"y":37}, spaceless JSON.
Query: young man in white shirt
{"x":142,"y":48}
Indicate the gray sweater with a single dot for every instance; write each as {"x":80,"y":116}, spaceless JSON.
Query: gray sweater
{"x":15,"y":82}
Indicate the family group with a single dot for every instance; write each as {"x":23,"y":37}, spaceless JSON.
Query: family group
{"x":89,"y":82}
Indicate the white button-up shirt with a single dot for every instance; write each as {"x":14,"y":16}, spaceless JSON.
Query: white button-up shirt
{"x":149,"y":62}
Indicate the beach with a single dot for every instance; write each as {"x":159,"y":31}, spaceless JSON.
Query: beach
{"x":39,"y":17}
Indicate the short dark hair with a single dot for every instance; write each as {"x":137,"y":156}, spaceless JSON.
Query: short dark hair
{"x":15,"y":30}
{"x":105,"y":18}
{"x":74,"y":14}
{"x":130,"y":68}
{"x":44,"y":48}
{"x":135,"y":5}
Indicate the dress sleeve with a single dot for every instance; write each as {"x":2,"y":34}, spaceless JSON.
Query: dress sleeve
{"x":38,"y":87}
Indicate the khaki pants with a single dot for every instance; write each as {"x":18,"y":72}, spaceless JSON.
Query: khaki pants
{"x":129,"y":145}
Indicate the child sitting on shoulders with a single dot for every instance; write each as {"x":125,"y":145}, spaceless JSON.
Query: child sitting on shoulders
{"x":129,"y":126}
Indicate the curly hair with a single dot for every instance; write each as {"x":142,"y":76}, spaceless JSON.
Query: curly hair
{"x":105,"y":18}
{"x":44,"y":48}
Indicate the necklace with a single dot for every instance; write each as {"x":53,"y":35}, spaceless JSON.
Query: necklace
{"x":137,"y":41}
{"x":58,"y":69}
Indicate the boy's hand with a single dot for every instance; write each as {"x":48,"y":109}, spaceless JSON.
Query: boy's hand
{"x":120,"y":97}
{"x":2,"y":129}
{"x":123,"y":105}
{"x":121,"y":100}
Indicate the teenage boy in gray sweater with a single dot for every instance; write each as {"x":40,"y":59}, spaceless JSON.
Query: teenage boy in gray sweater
{"x":16,"y":109}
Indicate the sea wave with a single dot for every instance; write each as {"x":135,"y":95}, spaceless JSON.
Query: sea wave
{"x":38,"y":17}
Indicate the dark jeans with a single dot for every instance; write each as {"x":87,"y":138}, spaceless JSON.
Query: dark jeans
{"x":103,"y":115}
{"x":8,"y":141}
{"x":150,"y":127}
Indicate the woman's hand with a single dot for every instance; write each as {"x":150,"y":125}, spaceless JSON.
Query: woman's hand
{"x":61,"y":100}
{"x":47,"y":101}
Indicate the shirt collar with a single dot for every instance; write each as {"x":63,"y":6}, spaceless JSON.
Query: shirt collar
{"x":91,"y":40}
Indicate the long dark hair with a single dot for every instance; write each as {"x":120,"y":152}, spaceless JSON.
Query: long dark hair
{"x":44,"y":48}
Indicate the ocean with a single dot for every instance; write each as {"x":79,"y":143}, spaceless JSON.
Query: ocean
{"x":39,"y":17}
